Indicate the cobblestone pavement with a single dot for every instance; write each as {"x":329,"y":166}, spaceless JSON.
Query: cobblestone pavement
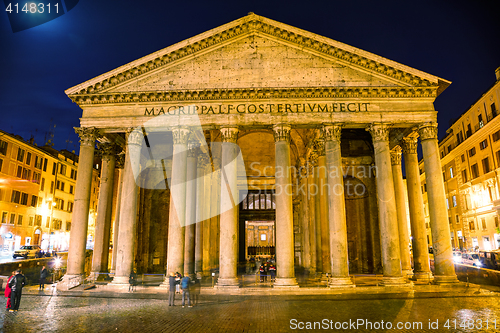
{"x":219,"y":313}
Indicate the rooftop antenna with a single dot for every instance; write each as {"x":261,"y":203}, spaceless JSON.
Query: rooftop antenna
{"x":50,"y":133}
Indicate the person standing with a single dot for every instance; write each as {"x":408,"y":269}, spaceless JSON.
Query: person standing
{"x":8,"y":291}
{"x":178,"y":278}
{"x":132,"y":281}
{"x":171,"y":290}
{"x":272,"y":272}
{"x":262,"y":273}
{"x":16,"y":284}
{"x":43,"y":275}
{"x":185,"y":290}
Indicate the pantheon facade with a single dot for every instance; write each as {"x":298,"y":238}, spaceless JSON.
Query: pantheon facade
{"x":319,"y":129}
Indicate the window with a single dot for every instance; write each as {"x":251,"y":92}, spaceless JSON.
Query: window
{"x":62,"y":186}
{"x":38,"y":162}
{"x":1,"y":163}
{"x":70,"y":206}
{"x":469,"y":131}
{"x":42,"y":186}
{"x":454,"y":200}
{"x":38,"y":220}
{"x":449,"y":149}
{"x":472,"y":226}
{"x":26,"y":174}
{"x":62,"y":169}
{"x":34,"y":200}
{"x":24,"y":198}
{"x":472,"y":151}
{"x":480,"y":120}
{"x":19,"y":220}
{"x":493,"y":109}
{"x":447,"y":203}
{"x":3,"y":147}
{"x":54,"y":168}
{"x":442,"y":153}
{"x":457,"y":219}
{"x":31,"y":221}
{"x":483,"y":144}
{"x":490,"y":190}
{"x":71,"y":189}
{"x":16,"y":196}
{"x":475,"y":171}
{"x":496,"y":221}
{"x":460,"y":138}
{"x":73,"y":174}
{"x":45,"y":165}
{"x":464,"y":176}
{"x":498,"y":156}
{"x":28,"y":158}
{"x":12,"y":218}
{"x":496,"y":136}
{"x":19,"y":172}
{"x":4,"y":217}
{"x":451,"y":172}
{"x":47,"y":224}
{"x":20,"y":154}
{"x":486,"y":165}
{"x":59,"y":204}
{"x":56,"y":224}
{"x":463,"y":157}
{"x":483,"y":223}
{"x":36,"y":177}
{"x":68,"y":226}
{"x":444,"y":176}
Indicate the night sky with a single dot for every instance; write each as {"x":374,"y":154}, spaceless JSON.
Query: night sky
{"x":456,"y":40}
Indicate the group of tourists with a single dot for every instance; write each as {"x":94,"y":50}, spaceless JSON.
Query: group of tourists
{"x":182,"y":284}
{"x":14,"y":289}
{"x":267,"y":269}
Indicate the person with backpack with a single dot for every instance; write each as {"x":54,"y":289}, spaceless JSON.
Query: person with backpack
{"x":185,"y":290}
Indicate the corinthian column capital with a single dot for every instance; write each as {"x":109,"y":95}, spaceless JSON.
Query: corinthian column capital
{"x":332,"y":132}
{"x":87,"y":135}
{"x":319,"y":145}
{"x":282,"y":132}
{"x":409,"y":145}
{"x":134,"y":137}
{"x":396,"y":156}
{"x":180,"y":135}
{"x":229,"y":134}
{"x":428,"y":131}
{"x":379,"y":132}
{"x":106,"y":149}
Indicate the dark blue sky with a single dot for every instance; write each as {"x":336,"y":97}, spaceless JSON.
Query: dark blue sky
{"x":455,"y":40}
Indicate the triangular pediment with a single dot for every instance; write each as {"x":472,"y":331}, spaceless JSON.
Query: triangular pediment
{"x":256,"y":53}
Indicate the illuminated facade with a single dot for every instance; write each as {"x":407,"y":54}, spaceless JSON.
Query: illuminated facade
{"x":470,"y":159}
{"x":37,"y":194}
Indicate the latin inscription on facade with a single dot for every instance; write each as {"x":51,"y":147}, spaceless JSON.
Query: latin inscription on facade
{"x":257,"y":108}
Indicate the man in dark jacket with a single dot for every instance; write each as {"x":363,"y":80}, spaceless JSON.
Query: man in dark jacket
{"x":171,"y":289}
{"x":185,"y":290}
{"x":16,"y":284}
{"x":43,"y":275}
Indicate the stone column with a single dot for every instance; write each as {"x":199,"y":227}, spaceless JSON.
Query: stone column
{"x":339,"y":260}
{"x":311,"y":210}
{"x":191,"y":203}
{"x":404,"y":238}
{"x":215,"y":210}
{"x":120,"y":163}
{"x":421,"y":267}
{"x":128,"y":210}
{"x":323,"y":207}
{"x":200,"y":206}
{"x":177,"y":210}
{"x":229,"y":210}
{"x":103,"y":222}
{"x":444,"y":269}
{"x":284,"y":214}
{"x":207,"y":233}
{"x":317,"y":217}
{"x":304,"y":218}
{"x":389,"y":232}
{"x":78,"y":236}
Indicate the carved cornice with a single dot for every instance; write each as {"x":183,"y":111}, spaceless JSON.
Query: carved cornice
{"x":332,"y":132}
{"x":428,"y":131}
{"x":180,"y":135}
{"x":229,"y":134}
{"x":255,"y":93}
{"x":257,"y":25}
{"x":87,"y":135}
{"x":396,"y":156}
{"x":409,"y":145}
{"x":282,"y":132}
{"x":379,"y":132}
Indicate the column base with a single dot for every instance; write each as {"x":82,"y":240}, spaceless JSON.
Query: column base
{"x":393,"y":281}
{"x":408,"y":273}
{"x":70,"y":281}
{"x":120,"y":280}
{"x":324,"y":277}
{"x":227,"y":283}
{"x":445,"y":279}
{"x":422,"y":277}
{"x":341,"y":282}
{"x":285,"y":283}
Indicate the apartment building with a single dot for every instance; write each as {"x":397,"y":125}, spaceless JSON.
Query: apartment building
{"x":37,"y":186}
{"x":470,"y":160}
